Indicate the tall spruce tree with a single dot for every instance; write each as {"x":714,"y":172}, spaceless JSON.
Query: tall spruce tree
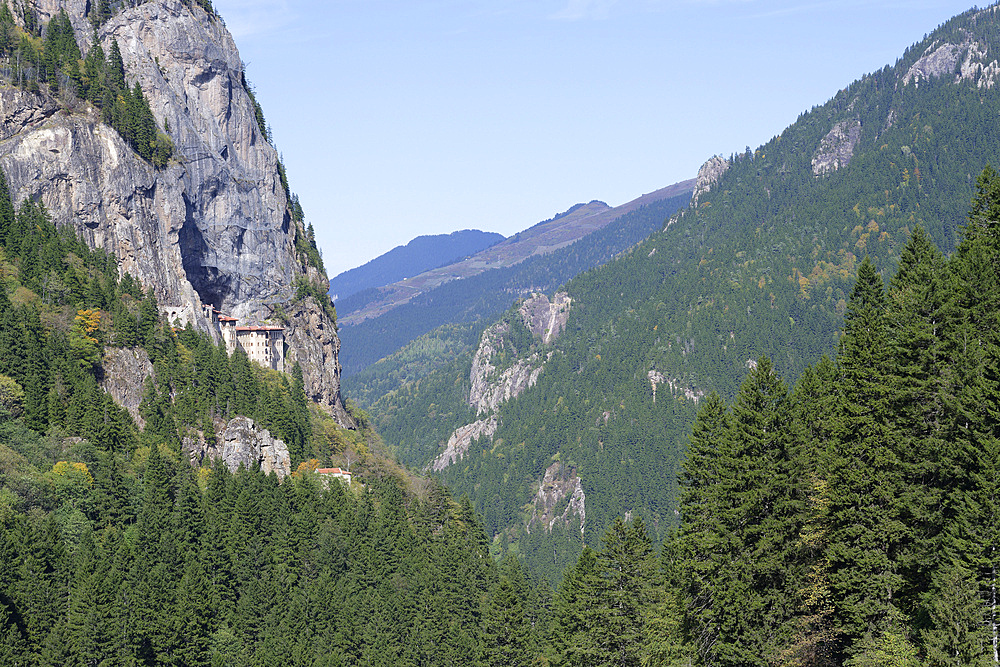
{"x":865,"y":473}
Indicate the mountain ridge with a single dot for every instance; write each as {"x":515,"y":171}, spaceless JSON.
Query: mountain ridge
{"x":761,"y":263}
{"x":540,"y":239}
{"x":420,"y":254}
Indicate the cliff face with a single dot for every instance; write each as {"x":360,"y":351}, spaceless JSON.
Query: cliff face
{"x":242,"y":443}
{"x":214,"y":226}
{"x":500,"y":373}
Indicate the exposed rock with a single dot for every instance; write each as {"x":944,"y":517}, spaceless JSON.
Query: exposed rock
{"x":461,"y":440}
{"x":313,"y":343}
{"x":213,"y":226}
{"x":709,"y":173}
{"x":559,"y":483}
{"x":491,"y":386}
{"x":242,"y":442}
{"x":544,"y":319}
{"x":124,"y":373}
{"x":966,"y":61}
{"x":837,"y":148}
{"x":675,"y":387}
{"x":975,"y":68}
{"x":937,"y":63}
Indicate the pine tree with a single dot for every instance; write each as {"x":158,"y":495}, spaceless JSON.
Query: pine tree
{"x":577,"y":605}
{"x":506,"y":633}
{"x":865,"y":474}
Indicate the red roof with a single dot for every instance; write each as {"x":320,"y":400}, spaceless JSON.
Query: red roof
{"x":332,"y":471}
{"x":226,"y":318}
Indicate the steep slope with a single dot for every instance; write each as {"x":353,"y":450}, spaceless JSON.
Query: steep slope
{"x":215,"y":226}
{"x":540,"y":239}
{"x":760,"y":263}
{"x":543,"y":258}
{"x":419,"y":255}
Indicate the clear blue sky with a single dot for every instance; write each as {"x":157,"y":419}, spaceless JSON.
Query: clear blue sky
{"x":397,"y":119}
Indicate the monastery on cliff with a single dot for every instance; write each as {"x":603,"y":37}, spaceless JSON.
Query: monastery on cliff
{"x":262,"y":344}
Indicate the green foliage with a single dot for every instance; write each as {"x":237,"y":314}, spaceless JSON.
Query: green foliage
{"x":883,"y":552}
{"x":488,"y":294}
{"x":57,"y":62}
{"x":304,"y":287}
{"x":246,"y":571}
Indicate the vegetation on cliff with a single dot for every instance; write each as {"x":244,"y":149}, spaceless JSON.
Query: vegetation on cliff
{"x":56,"y":61}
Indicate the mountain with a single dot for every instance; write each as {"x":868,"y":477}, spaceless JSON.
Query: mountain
{"x":419,"y":255}
{"x":379,"y":322}
{"x":762,"y":261}
{"x":215,"y":224}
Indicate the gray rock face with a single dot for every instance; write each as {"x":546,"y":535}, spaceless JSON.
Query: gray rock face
{"x":966,"y":62}
{"x":935,"y":63}
{"x":494,"y":385}
{"x":125,"y":373}
{"x":491,"y":385}
{"x":708,"y":174}
{"x":559,"y":483}
{"x":837,"y":148}
{"x":675,"y":387}
{"x":214,"y":226}
{"x":242,"y":442}
{"x":461,"y":440}
{"x":546,"y":319}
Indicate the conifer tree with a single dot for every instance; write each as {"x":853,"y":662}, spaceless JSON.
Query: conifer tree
{"x":865,"y":475}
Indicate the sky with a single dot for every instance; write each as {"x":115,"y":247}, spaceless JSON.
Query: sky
{"x":397,"y":119}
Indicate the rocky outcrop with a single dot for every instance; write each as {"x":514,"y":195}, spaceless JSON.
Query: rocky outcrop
{"x":676,"y":388}
{"x":543,"y":318}
{"x":312,"y":342}
{"x":559,"y":498}
{"x":461,"y":440}
{"x":492,"y":386}
{"x":124,"y":373}
{"x":709,"y":173}
{"x":241,"y":442}
{"x":976,"y":68}
{"x":212,"y":227}
{"x":965,"y":61}
{"x":837,"y":148}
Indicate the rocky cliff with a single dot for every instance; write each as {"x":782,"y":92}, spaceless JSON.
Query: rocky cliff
{"x":501,"y":372}
{"x":242,"y":443}
{"x":559,"y":498}
{"x":837,"y":147}
{"x":708,"y":174}
{"x":212,"y":227}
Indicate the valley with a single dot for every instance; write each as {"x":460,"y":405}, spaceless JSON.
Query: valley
{"x":749,"y":418}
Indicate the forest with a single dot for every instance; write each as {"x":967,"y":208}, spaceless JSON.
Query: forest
{"x":55,"y":60}
{"x":852,"y":519}
{"x":486,"y":295}
{"x":849,"y":520}
{"x":763,"y":264}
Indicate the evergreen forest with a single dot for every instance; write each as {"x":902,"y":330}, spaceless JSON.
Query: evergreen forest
{"x":485,"y":296}
{"x":762,"y":264}
{"x":55,"y":60}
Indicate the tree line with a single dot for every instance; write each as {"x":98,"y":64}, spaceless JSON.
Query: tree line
{"x":852,"y":520}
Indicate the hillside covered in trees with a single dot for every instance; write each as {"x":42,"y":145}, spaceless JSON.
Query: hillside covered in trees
{"x":761,"y":263}
{"x":849,"y":520}
{"x":420,"y":254}
{"x":487,"y":294}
